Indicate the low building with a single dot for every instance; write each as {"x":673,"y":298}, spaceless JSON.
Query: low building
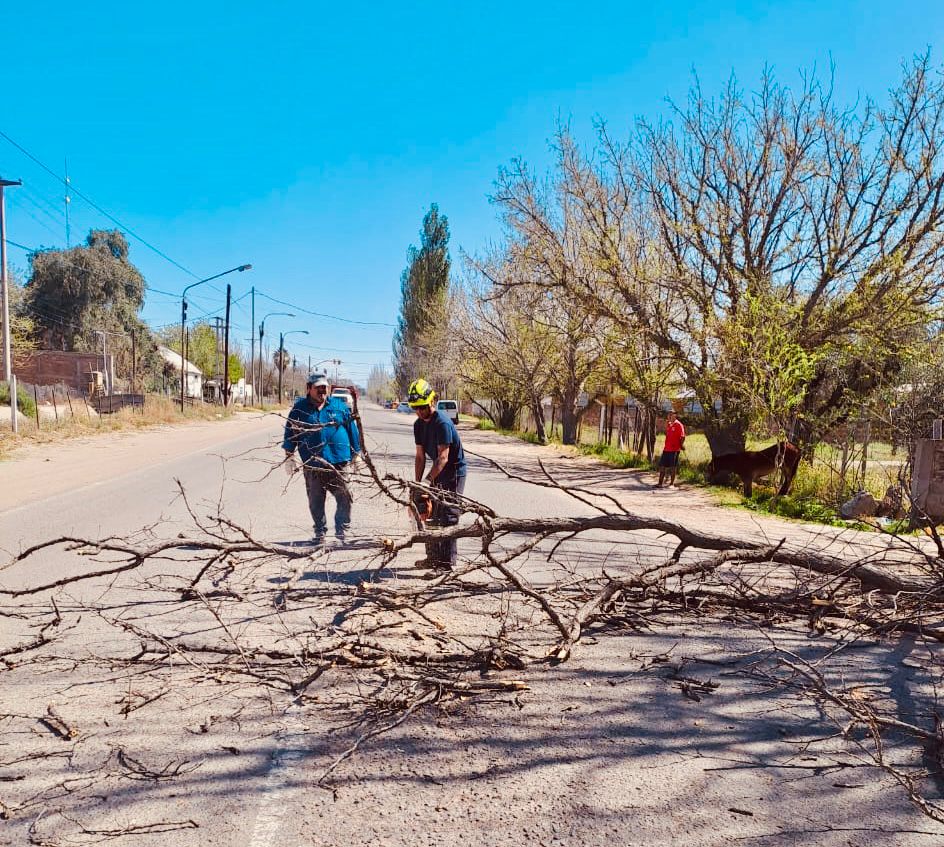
{"x":194,"y":376}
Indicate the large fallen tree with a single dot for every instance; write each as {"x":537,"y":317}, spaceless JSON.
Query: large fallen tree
{"x":204,"y":612}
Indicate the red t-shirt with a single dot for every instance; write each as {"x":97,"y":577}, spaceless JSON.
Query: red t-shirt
{"x":674,"y":436}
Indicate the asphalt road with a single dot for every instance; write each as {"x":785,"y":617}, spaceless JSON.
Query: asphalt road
{"x":604,"y":750}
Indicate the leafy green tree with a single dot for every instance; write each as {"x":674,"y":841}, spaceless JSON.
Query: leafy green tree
{"x":421,"y":340}
{"x":236,"y":371}
{"x":72,"y":294}
{"x":380,"y":385}
{"x":22,"y":326}
{"x":204,"y":351}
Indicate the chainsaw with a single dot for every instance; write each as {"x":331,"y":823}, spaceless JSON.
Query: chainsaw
{"x":421,"y":507}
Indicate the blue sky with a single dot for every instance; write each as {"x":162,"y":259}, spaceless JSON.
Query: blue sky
{"x":309,"y":139}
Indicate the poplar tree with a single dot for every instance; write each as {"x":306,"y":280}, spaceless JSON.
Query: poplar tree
{"x":420,"y":345}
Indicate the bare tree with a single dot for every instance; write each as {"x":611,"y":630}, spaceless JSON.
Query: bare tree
{"x":787,"y":198}
{"x":505,"y":354}
{"x":547,"y":254}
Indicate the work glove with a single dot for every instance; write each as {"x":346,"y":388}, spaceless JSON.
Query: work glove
{"x":290,"y":464}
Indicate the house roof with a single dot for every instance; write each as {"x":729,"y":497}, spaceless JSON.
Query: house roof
{"x":174,"y":359}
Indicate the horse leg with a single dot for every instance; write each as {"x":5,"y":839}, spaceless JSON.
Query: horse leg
{"x":748,"y":480}
{"x":789,"y":472}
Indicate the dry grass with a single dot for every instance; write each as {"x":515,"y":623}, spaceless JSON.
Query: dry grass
{"x":82,"y":421}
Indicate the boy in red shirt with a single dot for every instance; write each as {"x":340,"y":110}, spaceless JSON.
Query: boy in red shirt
{"x":674,"y":444}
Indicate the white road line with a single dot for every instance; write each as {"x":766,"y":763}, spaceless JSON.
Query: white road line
{"x":277,"y":792}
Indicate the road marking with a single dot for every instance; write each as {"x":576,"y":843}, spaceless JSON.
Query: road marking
{"x":277,"y":791}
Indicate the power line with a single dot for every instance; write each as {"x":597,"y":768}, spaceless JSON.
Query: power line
{"x":23,"y":247}
{"x":339,"y":349}
{"x":41,"y":222}
{"x":94,"y":205}
{"x":322,"y":314}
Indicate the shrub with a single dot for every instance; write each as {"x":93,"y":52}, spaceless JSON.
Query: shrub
{"x":24,"y":402}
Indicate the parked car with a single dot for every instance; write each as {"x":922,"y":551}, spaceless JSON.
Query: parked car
{"x":405,"y":407}
{"x":345,"y":395}
{"x":388,"y":404}
{"x":450,"y":408}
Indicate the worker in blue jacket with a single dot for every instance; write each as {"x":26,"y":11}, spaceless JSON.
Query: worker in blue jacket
{"x":325,"y":433}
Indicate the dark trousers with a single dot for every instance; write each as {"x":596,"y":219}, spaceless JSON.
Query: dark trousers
{"x":446,"y":513}
{"x":318,"y":482}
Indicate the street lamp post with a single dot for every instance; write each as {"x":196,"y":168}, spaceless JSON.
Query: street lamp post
{"x":5,"y":306}
{"x":334,"y":362}
{"x":262,"y":333}
{"x":282,"y":354}
{"x":183,"y":323}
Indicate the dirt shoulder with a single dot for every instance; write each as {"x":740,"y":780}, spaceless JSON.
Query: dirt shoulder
{"x":37,"y":471}
{"x":634,"y":490}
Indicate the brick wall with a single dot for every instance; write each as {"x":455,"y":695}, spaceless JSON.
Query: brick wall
{"x":54,"y":367}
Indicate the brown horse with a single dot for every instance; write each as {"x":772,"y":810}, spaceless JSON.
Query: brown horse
{"x":754,"y":464}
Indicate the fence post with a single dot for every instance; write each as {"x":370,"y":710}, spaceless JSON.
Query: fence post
{"x":87,"y":412}
{"x":36,"y":401}
{"x":14,"y":410}
{"x":69,"y":398}
{"x":55,"y":408}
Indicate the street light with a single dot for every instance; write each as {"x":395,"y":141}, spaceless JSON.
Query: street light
{"x":262,"y":333}
{"x":5,"y":307}
{"x":183,"y":323}
{"x":282,"y":354}
{"x":331,"y":361}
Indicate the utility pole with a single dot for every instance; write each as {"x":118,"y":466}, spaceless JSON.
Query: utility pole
{"x":261,"y":354}
{"x":5,"y":297}
{"x":252,"y":347}
{"x":281,"y":363}
{"x":183,"y":351}
{"x":183,"y":320}
{"x":226,"y":351}
{"x":105,"y":361}
{"x":217,"y":371}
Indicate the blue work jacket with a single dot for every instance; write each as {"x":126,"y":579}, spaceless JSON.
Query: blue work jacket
{"x":330,"y":434}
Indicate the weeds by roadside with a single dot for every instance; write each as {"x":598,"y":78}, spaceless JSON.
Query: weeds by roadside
{"x":815,"y":496}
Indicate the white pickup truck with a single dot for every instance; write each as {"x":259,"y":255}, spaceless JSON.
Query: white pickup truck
{"x":450,"y":408}
{"x":345,"y":395}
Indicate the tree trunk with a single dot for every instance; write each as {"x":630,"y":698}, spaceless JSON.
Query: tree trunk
{"x":569,"y":421}
{"x":726,"y":433}
{"x":537,"y":412}
{"x":507,"y":415}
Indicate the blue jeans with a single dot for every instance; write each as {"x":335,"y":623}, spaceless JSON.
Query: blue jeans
{"x":318,"y":482}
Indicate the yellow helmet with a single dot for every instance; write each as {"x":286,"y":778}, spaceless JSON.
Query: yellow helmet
{"x":420,"y":394}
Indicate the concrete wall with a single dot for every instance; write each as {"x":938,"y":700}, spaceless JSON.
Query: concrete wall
{"x":927,"y":483}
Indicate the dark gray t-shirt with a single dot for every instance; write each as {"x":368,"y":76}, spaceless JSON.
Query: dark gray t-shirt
{"x":435,"y":432}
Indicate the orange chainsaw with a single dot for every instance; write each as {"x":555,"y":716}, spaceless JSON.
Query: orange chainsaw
{"x":421,"y":507}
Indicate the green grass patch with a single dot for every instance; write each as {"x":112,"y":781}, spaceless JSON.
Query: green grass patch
{"x":24,"y":402}
{"x":614,"y":457}
{"x":793,"y":506}
{"x":487,"y":425}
